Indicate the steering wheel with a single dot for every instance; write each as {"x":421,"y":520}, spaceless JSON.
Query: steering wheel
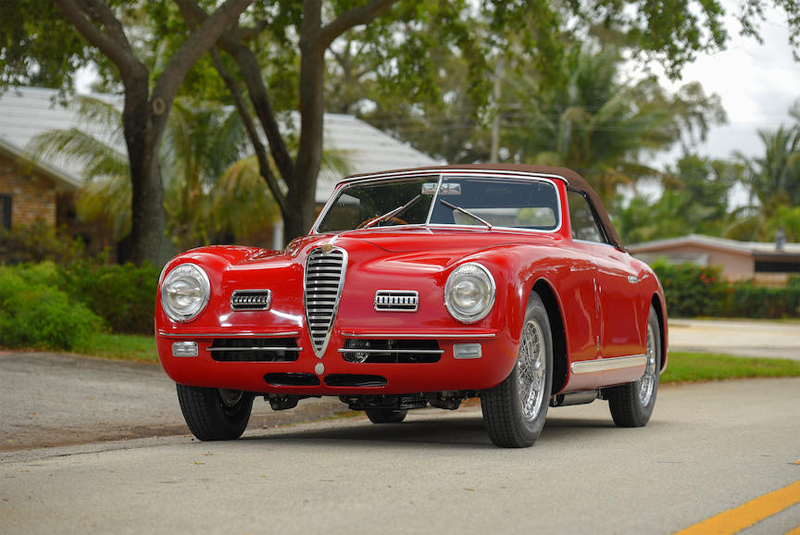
{"x":393,"y":219}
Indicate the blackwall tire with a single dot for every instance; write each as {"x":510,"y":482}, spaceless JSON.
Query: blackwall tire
{"x":386,"y":416}
{"x":515,"y":410}
{"x":215,"y":414}
{"x":632,"y":404}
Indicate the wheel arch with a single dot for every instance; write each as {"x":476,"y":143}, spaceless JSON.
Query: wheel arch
{"x":551,"y":304}
{"x":660,"y":309}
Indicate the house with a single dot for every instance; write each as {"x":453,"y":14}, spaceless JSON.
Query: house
{"x":45,"y":190}
{"x":769,"y":263}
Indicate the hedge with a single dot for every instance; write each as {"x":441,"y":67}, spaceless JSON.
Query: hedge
{"x":693,"y":291}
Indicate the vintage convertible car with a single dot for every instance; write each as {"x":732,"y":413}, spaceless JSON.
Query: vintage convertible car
{"x":422,"y":287}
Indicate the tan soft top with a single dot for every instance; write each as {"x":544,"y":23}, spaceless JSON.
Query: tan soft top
{"x":574,"y":181}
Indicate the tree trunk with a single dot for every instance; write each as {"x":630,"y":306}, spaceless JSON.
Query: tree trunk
{"x":148,"y":220}
{"x":300,"y":197}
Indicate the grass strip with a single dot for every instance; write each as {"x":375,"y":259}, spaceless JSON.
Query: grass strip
{"x":699,"y":367}
{"x":130,"y":347}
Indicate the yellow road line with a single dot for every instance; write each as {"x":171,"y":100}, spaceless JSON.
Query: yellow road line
{"x":795,"y":531}
{"x":744,"y":516}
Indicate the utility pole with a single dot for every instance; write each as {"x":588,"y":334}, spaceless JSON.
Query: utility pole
{"x":496,"y":94}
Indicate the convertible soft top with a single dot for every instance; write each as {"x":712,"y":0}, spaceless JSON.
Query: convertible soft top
{"x":574,"y":181}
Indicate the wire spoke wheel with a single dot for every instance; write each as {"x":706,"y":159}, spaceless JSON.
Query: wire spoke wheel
{"x":531,"y":364}
{"x":515,"y":410}
{"x":648,"y":381}
{"x":632,"y":404}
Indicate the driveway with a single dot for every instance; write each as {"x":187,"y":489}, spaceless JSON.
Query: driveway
{"x":739,"y":338}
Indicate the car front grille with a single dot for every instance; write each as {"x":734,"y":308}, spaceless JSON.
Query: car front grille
{"x":255,"y":350}
{"x":325,"y":271}
{"x":391,"y":351}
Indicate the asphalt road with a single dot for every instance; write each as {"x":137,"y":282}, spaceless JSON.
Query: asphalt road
{"x":55,"y":400}
{"x":709,"y":448}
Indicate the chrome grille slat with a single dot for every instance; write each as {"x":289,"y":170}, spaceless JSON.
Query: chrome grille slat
{"x":324,"y":279}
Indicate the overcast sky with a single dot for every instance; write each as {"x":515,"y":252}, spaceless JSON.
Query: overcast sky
{"x":757,"y":83}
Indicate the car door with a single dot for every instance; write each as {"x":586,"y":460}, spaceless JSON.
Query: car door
{"x":620,"y":329}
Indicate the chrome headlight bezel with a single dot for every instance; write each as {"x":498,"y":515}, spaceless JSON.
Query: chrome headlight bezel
{"x":481,"y":279}
{"x":196,"y":281}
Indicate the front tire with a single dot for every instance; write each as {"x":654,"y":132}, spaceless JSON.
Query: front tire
{"x":386,"y":416}
{"x":215,"y":413}
{"x":632,"y":404}
{"x":515,"y":410}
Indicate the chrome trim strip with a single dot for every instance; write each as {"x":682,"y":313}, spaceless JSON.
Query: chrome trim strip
{"x":416,"y":335}
{"x":297,"y":349}
{"x":287,"y":334}
{"x":395,"y":350}
{"x":604,"y":365}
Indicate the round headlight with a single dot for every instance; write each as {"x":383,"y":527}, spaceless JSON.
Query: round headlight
{"x":185,"y":292}
{"x":469,"y":293}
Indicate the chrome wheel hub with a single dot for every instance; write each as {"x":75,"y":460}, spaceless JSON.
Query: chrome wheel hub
{"x":531,"y":364}
{"x":647,"y":382}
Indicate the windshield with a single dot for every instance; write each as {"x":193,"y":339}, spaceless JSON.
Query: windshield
{"x":521,"y":203}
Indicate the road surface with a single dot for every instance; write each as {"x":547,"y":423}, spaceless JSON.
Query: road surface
{"x":709,"y":448}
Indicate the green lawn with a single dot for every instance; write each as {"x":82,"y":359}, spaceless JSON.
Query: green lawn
{"x":683,"y":367}
{"x":121,"y":347}
{"x":696,"y":367}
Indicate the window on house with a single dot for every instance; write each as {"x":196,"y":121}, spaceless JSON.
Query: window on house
{"x":5,"y":211}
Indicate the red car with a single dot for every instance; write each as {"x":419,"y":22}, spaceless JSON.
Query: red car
{"x":422,"y":287}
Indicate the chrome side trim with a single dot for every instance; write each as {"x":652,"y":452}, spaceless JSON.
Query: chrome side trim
{"x":604,"y":365}
{"x":395,"y":350}
{"x":287,"y":334}
{"x":416,"y":335}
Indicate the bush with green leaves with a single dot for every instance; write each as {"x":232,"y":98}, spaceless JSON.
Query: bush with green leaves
{"x":748,"y":300}
{"x":692,"y":290}
{"x":36,"y":314}
{"x":123,"y":295}
{"x":38,"y":243}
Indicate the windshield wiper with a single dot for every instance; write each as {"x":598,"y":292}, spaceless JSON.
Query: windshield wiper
{"x":466,"y":212}
{"x":395,"y":212}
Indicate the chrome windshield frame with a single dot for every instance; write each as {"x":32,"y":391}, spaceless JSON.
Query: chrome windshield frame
{"x":442,"y":174}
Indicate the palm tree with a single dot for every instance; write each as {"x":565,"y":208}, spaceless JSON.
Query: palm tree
{"x":774,"y":183}
{"x":601,"y":126}
{"x":212,"y":188}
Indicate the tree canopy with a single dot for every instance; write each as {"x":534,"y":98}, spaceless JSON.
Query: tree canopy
{"x":272,"y":59}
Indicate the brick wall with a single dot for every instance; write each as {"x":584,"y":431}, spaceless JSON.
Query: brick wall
{"x":33,"y":196}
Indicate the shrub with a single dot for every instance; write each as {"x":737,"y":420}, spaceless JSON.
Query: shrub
{"x":751,"y":301}
{"x":692,"y":290}
{"x":37,"y":243}
{"x":36,"y":314}
{"x":124,"y":296}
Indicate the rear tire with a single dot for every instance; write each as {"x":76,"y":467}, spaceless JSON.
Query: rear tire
{"x":214,"y":413}
{"x":632,"y":404}
{"x":386,"y":416}
{"x":515,"y":410}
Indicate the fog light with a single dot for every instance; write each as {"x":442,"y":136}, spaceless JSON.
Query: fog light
{"x":467,"y":351}
{"x":184,"y":349}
